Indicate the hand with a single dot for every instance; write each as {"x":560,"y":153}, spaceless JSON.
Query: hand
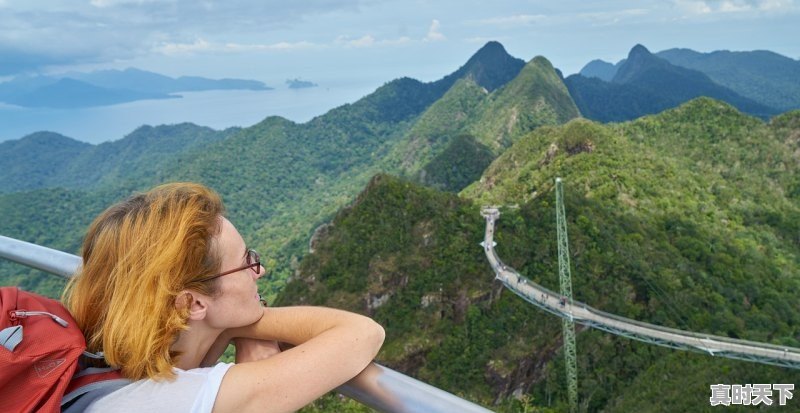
{"x":251,"y":349}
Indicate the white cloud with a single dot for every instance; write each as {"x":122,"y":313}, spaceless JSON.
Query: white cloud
{"x":109,"y":3}
{"x":750,"y":7}
{"x":613,"y":15}
{"x":363,"y":41}
{"x":369,"y":41}
{"x":693,"y":7}
{"x":142,"y":27}
{"x":776,"y":5}
{"x":734,"y":6}
{"x":397,"y":41}
{"x":203,"y":46}
{"x":596,"y":18}
{"x":290,"y":46}
{"x":485,"y":39}
{"x":516,"y":20}
{"x":434,"y":34}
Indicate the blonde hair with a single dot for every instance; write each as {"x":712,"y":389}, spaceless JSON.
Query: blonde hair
{"x":138,"y":255}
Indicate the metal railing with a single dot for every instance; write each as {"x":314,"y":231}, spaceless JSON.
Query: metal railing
{"x":378,"y":387}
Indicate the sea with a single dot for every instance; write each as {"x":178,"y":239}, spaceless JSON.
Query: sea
{"x":217,"y":109}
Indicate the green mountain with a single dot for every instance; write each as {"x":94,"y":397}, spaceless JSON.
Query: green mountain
{"x":279,"y":179}
{"x":46,"y":160}
{"x":490,"y":67}
{"x":763,"y":76}
{"x":687,"y":219}
{"x":442,"y":121}
{"x":535,"y":96}
{"x":601,"y":69}
{"x":53,"y":217}
{"x":36,"y":160}
{"x":458,"y":165}
{"x":645,"y":84}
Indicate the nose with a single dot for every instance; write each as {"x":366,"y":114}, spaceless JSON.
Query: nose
{"x":261,"y":272}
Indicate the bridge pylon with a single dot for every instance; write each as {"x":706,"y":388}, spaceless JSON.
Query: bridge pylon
{"x":565,"y":280}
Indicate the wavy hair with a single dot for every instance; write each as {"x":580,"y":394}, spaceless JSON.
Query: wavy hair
{"x":138,"y":255}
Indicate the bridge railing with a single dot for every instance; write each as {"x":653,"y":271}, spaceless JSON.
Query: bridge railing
{"x":767,"y":353}
{"x":381,"y":388}
{"x":642,"y":324}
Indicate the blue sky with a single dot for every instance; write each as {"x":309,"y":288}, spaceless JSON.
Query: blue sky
{"x":369,"y":40}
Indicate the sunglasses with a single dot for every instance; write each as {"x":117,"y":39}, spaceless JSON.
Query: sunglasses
{"x":252,"y":259}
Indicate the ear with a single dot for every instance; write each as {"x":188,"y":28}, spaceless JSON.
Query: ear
{"x":195,"y":303}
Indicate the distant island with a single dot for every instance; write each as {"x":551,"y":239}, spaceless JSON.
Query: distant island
{"x":299,"y":84}
{"x":109,"y":87}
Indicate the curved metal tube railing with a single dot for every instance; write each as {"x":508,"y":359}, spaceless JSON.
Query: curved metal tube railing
{"x":378,"y":387}
{"x":553,"y":302}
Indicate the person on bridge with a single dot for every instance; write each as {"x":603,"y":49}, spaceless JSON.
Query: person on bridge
{"x":167,"y":283}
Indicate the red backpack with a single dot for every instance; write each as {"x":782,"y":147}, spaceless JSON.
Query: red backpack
{"x":40,"y":348}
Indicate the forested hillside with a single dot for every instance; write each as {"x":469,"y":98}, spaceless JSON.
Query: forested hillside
{"x":495,"y":120}
{"x":48,"y":160}
{"x":278,"y":178}
{"x":686,"y":219}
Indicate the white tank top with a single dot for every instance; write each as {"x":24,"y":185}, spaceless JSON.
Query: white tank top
{"x":192,"y":391}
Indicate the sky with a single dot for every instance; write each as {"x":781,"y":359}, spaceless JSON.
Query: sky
{"x":371,"y":41}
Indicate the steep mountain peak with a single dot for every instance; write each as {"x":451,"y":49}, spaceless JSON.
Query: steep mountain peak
{"x":490,"y":51}
{"x":491,"y":67}
{"x":536,"y":96}
{"x":637,"y":51}
{"x":538,"y":69}
{"x":639,"y":60}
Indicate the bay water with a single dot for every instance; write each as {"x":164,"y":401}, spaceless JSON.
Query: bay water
{"x":217,"y":109}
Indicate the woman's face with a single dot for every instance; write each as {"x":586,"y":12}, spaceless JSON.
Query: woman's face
{"x":237,"y":303}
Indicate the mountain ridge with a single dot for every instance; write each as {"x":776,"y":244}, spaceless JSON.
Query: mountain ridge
{"x":647,"y":84}
{"x":535,"y":96}
{"x":108,"y":87}
{"x":687,"y":218}
{"x":491,"y":67}
{"x":764,"y":76}
{"x":660,"y":231}
{"x":140,"y":153}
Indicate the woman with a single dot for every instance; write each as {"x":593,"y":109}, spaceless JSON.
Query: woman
{"x":168,"y":282}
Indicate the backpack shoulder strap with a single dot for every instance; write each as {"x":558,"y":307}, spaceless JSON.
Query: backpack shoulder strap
{"x":89,"y":385}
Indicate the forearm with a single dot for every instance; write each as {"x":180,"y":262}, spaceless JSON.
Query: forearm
{"x":331,"y":347}
{"x":296,"y":325}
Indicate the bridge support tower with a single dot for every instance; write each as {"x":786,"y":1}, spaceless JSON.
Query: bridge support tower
{"x":565,"y":279}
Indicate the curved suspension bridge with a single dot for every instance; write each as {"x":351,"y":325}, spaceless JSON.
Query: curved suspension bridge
{"x":581,"y":313}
